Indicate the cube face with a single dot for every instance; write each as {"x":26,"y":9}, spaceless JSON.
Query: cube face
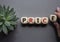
{"x":30,"y":20}
{"x":53,"y":18}
{"x":44,"y":20}
{"x":24,"y":20}
{"x":37,"y":20}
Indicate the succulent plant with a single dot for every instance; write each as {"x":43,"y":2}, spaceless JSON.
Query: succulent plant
{"x":8,"y":19}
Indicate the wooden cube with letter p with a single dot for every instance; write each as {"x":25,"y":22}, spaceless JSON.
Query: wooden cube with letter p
{"x":24,"y":20}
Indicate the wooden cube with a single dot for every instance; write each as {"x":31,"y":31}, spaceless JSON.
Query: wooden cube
{"x":53,"y":18}
{"x":31,"y":20}
{"x":44,"y":20}
{"x":24,"y":20}
{"x":37,"y":20}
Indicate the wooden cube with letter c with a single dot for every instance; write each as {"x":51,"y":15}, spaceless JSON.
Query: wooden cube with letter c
{"x":44,"y":20}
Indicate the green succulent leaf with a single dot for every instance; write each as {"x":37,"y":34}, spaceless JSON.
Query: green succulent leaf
{"x":10,"y":17}
{"x":11,"y":10}
{"x":7,"y":23}
{"x":8,"y":8}
{"x":0,"y":29}
{"x":4,"y":7}
{"x":1,"y":9}
{"x":1,"y":23}
{"x":13,"y":23}
{"x":11,"y":28}
{"x":5,"y":29}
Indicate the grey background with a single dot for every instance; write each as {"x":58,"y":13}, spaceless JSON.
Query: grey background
{"x":31,"y":8}
{"x":59,"y":3}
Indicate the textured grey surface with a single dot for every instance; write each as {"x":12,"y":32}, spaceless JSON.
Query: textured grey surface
{"x":31,"y":8}
{"x":59,"y":3}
